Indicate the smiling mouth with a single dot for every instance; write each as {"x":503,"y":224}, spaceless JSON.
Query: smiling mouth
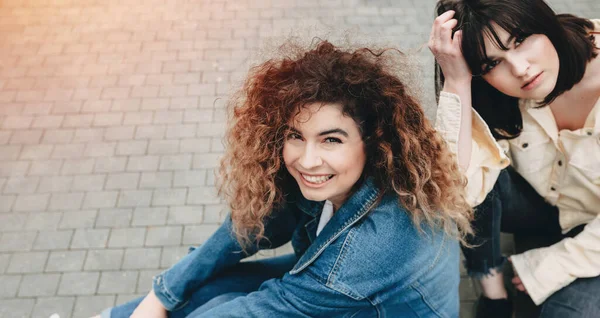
{"x":531,"y":81}
{"x":316,"y":179}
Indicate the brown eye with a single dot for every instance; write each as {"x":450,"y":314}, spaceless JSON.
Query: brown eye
{"x":333,"y":140}
{"x":292,"y":136}
{"x":487,"y":67}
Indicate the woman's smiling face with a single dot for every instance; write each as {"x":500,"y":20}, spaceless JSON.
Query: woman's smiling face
{"x":324,"y":152}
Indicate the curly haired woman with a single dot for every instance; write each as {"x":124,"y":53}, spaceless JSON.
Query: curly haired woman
{"x":326,"y":149}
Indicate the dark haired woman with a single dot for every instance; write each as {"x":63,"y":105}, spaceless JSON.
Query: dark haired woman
{"x":532,"y":78}
{"x":326,"y":150}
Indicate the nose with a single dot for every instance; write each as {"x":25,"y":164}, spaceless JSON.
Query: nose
{"x":519,"y":65}
{"x":310,"y":158}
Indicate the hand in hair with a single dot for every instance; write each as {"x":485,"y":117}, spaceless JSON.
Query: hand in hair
{"x":447,"y":50}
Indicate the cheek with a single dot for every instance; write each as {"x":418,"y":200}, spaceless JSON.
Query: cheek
{"x":499,"y":80}
{"x":287,"y":154}
{"x":351,"y":162}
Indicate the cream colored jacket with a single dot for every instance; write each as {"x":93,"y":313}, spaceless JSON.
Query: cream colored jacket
{"x":563,"y":167}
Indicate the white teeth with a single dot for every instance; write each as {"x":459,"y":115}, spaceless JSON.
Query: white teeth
{"x":315,"y":179}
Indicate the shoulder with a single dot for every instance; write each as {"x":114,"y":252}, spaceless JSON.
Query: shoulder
{"x":390,"y":231}
{"x":390,"y":245}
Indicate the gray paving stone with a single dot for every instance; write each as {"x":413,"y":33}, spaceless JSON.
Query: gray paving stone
{"x":192,"y":178}
{"x":175,"y":162}
{"x":31,"y":202}
{"x":127,"y":237}
{"x":142,"y":163}
{"x":114,"y":218}
{"x":142,"y":258}
{"x":154,"y":180}
{"x":198,"y":234}
{"x":6,"y":202}
{"x":149,"y":216}
{"x":163,"y":197}
{"x":4,"y":261}
{"x":134,"y":198}
{"x":101,"y":149}
{"x":21,"y":185}
{"x":66,"y":201}
{"x":45,"y":167}
{"x":122,"y":181}
{"x":78,"y":283}
{"x":87,"y":306}
{"x":112,"y":164}
{"x":467,"y":290}
{"x":77,"y":166}
{"x":144,"y":284}
{"x":12,"y":221}
{"x":164,"y":236}
{"x":90,"y":183}
{"x":36,"y":152}
{"x":185,"y":215}
{"x":159,"y":147}
{"x":16,"y":308}
{"x":17,"y":241}
{"x":100,"y":199}
{"x":90,"y":238}
{"x":203,"y":195}
{"x":198,"y":145}
{"x":34,"y":285}
{"x":120,"y":282}
{"x":55,"y":184}
{"x":215,"y":213}
{"x":29,"y":262}
{"x":109,"y":259}
{"x":10,"y":285}
{"x":78,"y":219}
{"x":47,"y":306}
{"x":65,"y":261}
{"x":68,"y":151}
{"x":13,"y":168}
{"x":43,"y":221}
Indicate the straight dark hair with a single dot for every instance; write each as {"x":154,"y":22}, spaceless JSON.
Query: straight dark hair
{"x":569,"y":36}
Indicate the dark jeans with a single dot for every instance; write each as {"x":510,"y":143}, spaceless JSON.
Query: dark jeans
{"x":513,"y":206}
{"x":241,"y":280}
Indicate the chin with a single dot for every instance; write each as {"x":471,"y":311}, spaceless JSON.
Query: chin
{"x":313,"y":196}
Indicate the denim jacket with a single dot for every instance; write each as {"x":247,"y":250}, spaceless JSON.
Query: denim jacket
{"x":370,"y":260}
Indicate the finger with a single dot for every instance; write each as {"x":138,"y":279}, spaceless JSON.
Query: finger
{"x":520,"y":288}
{"x":442,"y":18}
{"x":457,"y":39}
{"x":516,"y":280}
{"x":445,"y":32}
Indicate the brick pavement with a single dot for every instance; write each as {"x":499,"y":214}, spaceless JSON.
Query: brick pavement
{"x":111,"y":114}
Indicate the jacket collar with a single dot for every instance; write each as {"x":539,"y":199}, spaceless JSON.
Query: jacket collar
{"x":354,"y":209}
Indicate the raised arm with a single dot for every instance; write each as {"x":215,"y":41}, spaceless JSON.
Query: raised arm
{"x":448,"y":54}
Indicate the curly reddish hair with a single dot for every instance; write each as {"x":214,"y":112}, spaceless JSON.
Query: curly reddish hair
{"x":405,"y":155}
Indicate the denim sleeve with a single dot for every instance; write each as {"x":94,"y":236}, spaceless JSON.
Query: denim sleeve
{"x":292,"y":296}
{"x":174,"y":286}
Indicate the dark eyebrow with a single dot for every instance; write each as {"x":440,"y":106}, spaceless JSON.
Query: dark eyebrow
{"x":325,"y":132}
{"x":334,"y":131}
